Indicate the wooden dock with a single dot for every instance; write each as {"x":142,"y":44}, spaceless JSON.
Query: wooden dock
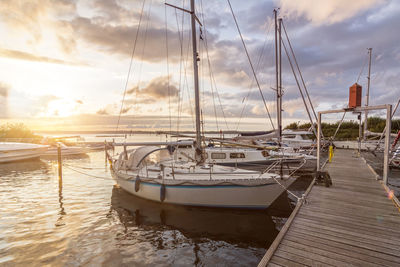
{"x":353,"y":222}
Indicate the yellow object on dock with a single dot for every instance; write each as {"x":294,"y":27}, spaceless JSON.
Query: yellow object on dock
{"x":330,"y":153}
{"x":353,"y":222}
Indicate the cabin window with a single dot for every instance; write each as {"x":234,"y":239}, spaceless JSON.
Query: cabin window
{"x":306,"y":136}
{"x":184,"y":146}
{"x":237,"y":156}
{"x":218,"y":155}
{"x":265,"y":153}
{"x":291,"y":136}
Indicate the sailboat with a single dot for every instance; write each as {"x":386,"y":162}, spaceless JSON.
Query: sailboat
{"x":152,"y":173}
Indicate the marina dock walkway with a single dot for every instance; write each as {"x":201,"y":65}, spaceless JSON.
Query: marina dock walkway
{"x":353,"y":222}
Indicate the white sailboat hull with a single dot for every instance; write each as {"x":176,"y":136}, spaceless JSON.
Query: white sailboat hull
{"x":207,"y":195}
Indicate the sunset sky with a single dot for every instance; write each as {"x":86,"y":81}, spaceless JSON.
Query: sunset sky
{"x":64,"y":64}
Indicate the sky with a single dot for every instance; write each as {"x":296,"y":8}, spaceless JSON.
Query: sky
{"x":103,"y":64}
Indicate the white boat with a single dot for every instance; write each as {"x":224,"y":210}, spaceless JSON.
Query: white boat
{"x":241,"y":157}
{"x":65,"y":151}
{"x":298,"y":139}
{"x":151,"y":173}
{"x":10,"y":151}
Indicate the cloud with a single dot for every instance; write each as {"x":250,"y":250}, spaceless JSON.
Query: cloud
{"x":327,"y":11}
{"x":118,"y":39}
{"x":159,"y":88}
{"x":34,"y":15}
{"x":15,"y":54}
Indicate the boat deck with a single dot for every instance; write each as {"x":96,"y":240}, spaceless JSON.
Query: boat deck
{"x":353,"y":222}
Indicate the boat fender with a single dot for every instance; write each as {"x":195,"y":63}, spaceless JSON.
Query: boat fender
{"x":162,"y":193}
{"x":137,"y":183}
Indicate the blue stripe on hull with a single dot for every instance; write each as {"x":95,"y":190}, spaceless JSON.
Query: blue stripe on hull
{"x":199,"y":186}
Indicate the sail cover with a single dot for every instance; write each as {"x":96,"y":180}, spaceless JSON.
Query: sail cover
{"x":139,"y":154}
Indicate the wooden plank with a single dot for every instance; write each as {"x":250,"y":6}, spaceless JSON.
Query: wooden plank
{"x":351,"y":233}
{"x":313,"y":251}
{"x":356,"y":229}
{"x":357,"y":252}
{"x":284,"y":262}
{"x":313,"y":258}
{"x":358,"y":189}
{"x":344,"y":194}
{"x":355,"y":221}
{"x":334,"y":189}
{"x":354,"y":241}
{"x":357,"y":207}
{"x":305,"y":260}
{"x":351,"y":200}
{"x":330,"y":238}
{"x":345,"y":212}
{"x":270,"y":264}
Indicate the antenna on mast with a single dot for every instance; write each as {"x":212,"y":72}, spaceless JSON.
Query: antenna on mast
{"x":367,"y":95}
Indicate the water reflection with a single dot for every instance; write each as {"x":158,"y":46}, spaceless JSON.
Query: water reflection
{"x":26,"y":167}
{"x":253,"y":228}
{"x":61,"y":213}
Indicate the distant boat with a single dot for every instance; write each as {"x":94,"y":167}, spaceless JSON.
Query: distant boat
{"x":10,"y":151}
{"x":65,"y":150}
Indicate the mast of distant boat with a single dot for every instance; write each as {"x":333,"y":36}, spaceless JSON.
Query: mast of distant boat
{"x":367,"y":95}
{"x":278,"y":68}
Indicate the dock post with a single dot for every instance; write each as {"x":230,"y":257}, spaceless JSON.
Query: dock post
{"x":319,"y":142}
{"x":105,"y":152}
{"x":59,"y":162}
{"x":387,"y":143}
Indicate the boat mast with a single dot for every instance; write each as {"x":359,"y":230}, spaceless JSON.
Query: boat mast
{"x":367,"y":96}
{"x":196,"y":82}
{"x":279,"y":102}
{"x":278,"y":76}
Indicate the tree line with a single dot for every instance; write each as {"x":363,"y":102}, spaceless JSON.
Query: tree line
{"x":349,"y":129}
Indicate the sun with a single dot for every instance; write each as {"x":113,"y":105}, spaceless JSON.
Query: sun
{"x":60,"y":108}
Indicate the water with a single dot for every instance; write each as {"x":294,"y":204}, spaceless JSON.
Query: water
{"x":90,"y":221}
{"x":376,"y":162}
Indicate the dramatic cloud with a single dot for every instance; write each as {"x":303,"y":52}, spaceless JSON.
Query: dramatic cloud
{"x":159,"y":88}
{"x":328,"y":11}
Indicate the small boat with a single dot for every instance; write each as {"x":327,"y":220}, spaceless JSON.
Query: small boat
{"x":65,"y":150}
{"x":10,"y":151}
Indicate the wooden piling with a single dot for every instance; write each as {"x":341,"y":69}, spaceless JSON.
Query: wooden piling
{"x":105,"y":152}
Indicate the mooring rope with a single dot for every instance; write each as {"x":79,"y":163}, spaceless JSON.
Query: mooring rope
{"x":87,"y":174}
